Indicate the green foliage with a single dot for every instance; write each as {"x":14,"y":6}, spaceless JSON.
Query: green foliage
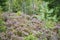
{"x":1,"y":22}
{"x":46,"y":9}
{"x":18,"y":13}
{"x":30,"y":37}
{"x":44,"y":38}
{"x":45,"y":13}
{"x":57,"y":12}
{"x":3,"y":4}
{"x":0,"y":9}
{"x":50,"y":24}
{"x":2,"y":26}
{"x":56,"y":5}
{"x":14,"y":5}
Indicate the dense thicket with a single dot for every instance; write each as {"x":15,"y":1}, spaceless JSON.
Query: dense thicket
{"x":3,"y":4}
{"x":56,"y":5}
{"x":29,"y":19}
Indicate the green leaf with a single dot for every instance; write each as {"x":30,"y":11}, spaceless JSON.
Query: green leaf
{"x":51,"y":11}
